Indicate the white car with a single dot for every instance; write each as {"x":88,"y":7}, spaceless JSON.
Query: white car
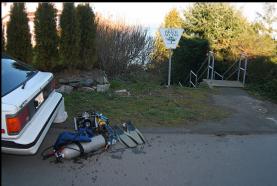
{"x":30,"y":105}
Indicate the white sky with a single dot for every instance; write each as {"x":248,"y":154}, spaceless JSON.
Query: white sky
{"x":147,"y":14}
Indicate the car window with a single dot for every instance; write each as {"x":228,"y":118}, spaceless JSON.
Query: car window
{"x":13,"y":74}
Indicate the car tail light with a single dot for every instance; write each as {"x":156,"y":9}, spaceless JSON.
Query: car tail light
{"x":53,"y":84}
{"x":16,"y":123}
{"x":3,"y":131}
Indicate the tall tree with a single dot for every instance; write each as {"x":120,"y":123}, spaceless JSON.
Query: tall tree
{"x":171,"y":20}
{"x":252,"y":43}
{"x":219,"y":23}
{"x":18,"y":34}
{"x":228,"y":32}
{"x":87,"y":52}
{"x":70,"y":36}
{"x":46,"y":36}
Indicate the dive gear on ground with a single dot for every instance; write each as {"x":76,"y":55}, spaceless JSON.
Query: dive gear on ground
{"x":93,"y":132}
{"x":128,"y":135}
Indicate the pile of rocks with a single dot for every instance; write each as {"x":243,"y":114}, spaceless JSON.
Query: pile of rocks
{"x":87,"y":81}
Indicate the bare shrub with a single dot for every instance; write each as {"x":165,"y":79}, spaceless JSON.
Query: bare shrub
{"x":119,"y":46}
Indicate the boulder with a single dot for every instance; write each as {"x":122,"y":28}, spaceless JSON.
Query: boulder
{"x":75,"y":85}
{"x":87,"y":89}
{"x":63,"y":81}
{"x":122,"y":92}
{"x":77,"y":80}
{"x":103,"y":88}
{"x":65,"y":89}
{"x":68,"y":81}
{"x":87,"y":82}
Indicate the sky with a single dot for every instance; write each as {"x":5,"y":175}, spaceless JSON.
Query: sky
{"x":149,"y":15}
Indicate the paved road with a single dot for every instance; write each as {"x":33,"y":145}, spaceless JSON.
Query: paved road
{"x":168,"y":159}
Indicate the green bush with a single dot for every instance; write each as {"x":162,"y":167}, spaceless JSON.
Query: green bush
{"x":115,"y":84}
{"x":189,"y":56}
{"x":262,"y":77}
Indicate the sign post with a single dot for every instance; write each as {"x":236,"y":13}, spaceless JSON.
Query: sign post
{"x":171,"y":37}
{"x":169,"y":68}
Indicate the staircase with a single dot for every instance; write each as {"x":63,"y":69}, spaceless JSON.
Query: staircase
{"x":223,"y":83}
{"x":234,"y":76}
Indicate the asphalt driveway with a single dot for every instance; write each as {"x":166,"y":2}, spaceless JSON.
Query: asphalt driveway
{"x":249,"y":115}
{"x":168,"y":159}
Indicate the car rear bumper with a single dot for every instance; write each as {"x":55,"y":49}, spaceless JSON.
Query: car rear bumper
{"x":30,"y":141}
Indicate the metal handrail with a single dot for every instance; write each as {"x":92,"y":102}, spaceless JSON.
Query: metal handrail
{"x":242,"y":56}
{"x":231,"y":74}
{"x":202,"y":73}
{"x":210,"y":65}
{"x":230,"y":67}
{"x":216,"y":73}
{"x":242,"y":69}
{"x":190,"y":80}
{"x":203,"y":63}
{"x":211,"y":73}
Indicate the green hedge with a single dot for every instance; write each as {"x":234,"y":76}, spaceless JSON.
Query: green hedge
{"x":188,"y":56}
{"x":262,"y":77}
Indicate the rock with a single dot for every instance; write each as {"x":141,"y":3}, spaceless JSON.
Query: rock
{"x":68,"y":81}
{"x":102,"y":79}
{"x":65,"y":89}
{"x":103,"y":88}
{"x":63,"y":81}
{"x":87,"y":82}
{"x":87,"y":89}
{"x":122,"y":92}
{"x":73,"y":80}
{"x":75,"y":85}
{"x":105,"y":80}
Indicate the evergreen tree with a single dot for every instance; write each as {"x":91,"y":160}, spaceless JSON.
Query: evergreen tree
{"x":219,"y":23}
{"x":86,"y":19}
{"x":46,"y":36}
{"x":228,"y":32}
{"x":18,"y":34}
{"x":70,"y":36}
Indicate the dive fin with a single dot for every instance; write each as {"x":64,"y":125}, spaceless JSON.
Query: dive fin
{"x":134,"y":133}
{"x":123,"y":138}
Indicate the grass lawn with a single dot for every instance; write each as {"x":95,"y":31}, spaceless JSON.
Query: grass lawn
{"x":149,"y":105}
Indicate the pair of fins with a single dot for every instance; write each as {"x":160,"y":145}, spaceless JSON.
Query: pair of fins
{"x":128,"y":135}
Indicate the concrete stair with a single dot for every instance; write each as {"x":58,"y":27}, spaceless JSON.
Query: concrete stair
{"x":223,"y":83}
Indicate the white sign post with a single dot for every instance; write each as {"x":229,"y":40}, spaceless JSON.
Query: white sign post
{"x":171,"y":37}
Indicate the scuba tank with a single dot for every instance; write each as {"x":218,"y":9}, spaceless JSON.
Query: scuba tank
{"x":73,"y":150}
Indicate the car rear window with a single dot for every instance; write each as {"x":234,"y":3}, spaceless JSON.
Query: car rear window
{"x":14,"y":74}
